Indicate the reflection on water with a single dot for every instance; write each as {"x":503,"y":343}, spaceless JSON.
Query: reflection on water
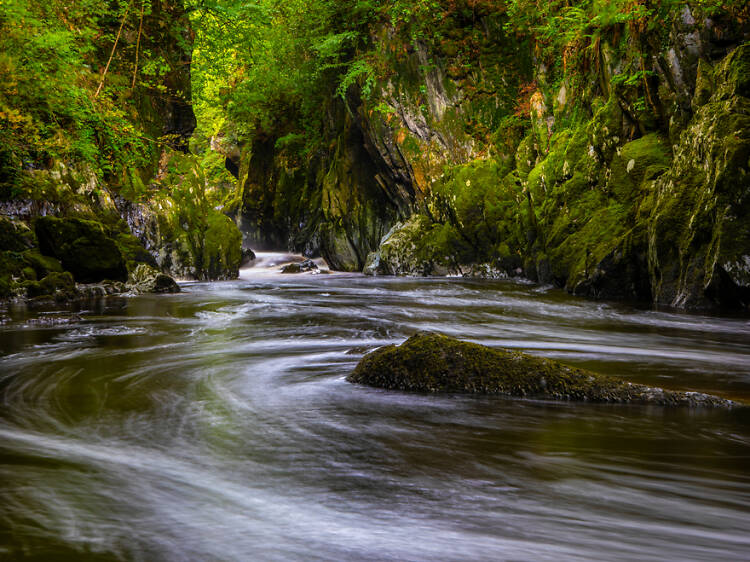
{"x":217,"y":425}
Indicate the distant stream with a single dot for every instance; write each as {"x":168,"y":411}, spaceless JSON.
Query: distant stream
{"x":217,"y":425}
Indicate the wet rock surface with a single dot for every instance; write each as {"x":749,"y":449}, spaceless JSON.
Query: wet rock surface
{"x":247,"y":256}
{"x":147,"y":279}
{"x":301,"y":267}
{"x":429,"y":362}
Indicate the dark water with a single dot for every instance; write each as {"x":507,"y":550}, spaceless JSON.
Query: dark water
{"x":217,"y":425}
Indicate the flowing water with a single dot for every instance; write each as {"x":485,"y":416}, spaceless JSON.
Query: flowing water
{"x":217,"y":425}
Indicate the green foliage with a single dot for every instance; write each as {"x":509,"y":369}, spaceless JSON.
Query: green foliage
{"x":53,"y":56}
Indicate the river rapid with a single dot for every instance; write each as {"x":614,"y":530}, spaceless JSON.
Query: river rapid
{"x":217,"y":424}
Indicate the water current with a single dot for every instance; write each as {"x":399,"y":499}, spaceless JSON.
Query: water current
{"x":217,"y":424}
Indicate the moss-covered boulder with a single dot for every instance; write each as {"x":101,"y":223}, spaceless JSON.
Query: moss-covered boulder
{"x":133,"y":251}
{"x":430,"y":362}
{"x":407,"y":249}
{"x":147,"y":279}
{"x":83,"y":247}
{"x":42,"y":265}
{"x":58,"y":286}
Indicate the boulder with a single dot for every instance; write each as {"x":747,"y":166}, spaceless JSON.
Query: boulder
{"x":407,"y":250}
{"x":247,"y":256}
{"x":58,"y":286}
{"x":83,"y":247}
{"x":300,"y":267}
{"x":147,"y":279}
{"x":430,"y":362}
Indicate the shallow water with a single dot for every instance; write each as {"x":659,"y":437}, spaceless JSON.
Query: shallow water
{"x":217,"y":425}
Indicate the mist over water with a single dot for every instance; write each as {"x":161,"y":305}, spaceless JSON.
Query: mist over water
{"x":217,"y":425}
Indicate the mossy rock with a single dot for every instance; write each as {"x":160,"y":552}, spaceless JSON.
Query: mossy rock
{"x":132,"y":251}
{"x":61,"y":285}
{"x":640,"y":160}
{"x":5,"y":286}
{"x":58,"y":286}
{"x":147,"y":279}
{"x":83,"y":247}
{"x":42,"y":265}
{"x":15,"y":236}
{"x":11,"y":263}
{"x":407,"y":250}
{"x":222,"y":250}
{"x":429,"y":362}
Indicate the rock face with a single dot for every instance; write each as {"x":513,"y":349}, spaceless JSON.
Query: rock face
{"x":615,"y":170}
{"x":436,"y":363}
{"x":406,"y":250}
{"x":83,"y":248}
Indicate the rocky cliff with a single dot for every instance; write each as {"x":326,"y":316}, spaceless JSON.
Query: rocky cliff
{"x":612,"y":162}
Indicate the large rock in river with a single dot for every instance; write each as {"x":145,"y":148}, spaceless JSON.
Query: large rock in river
{"x":430,"y":362}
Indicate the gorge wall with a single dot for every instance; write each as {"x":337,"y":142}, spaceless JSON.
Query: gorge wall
{"x":612,"y":161}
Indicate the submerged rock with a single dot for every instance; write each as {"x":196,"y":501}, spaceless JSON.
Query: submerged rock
{"x":95,"y":291}
{"x":429,"y":362}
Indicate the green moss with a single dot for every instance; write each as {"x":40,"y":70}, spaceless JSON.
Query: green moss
{"x":697,"y":229}
{"x":59,"y":285}
{"x":436,"y":363}
{"x":83,"y":247}
{"x":552,"y":170}
{"x":42,"y":264}
{"x":639,"y":160}
{"x":704,"y":85}
{"x":577,"y":255}
{"x":11,"y":263}
{"x":132,"y":250}
{"x":29,"y":273}
{"x":605,"y":129}
{"x":577,"y":148}
{"x":5,"y":286}
{"x":15,"y":236}
{"x":222,"y":250}
{"x":525,"y":157}
{"x":734,"y":73}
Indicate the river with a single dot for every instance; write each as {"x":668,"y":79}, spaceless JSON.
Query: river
{"x":217,"y":424}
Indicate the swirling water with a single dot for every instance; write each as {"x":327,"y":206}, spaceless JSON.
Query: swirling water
{"x":217,"y":425}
